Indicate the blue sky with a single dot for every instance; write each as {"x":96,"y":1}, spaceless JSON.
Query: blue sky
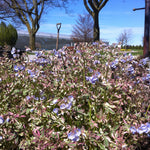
{"x":116,"y":16}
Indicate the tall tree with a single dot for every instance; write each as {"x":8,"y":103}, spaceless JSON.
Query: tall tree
{"x":3,"y":34}
{"x":83,"y":30}
{"x":12,"y":35}
{"x":94,"y":7}
{"x":125,"y":37}
{"x":30,"y":12}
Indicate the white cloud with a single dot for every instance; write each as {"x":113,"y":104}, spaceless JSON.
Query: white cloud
{"x":111,"y":33}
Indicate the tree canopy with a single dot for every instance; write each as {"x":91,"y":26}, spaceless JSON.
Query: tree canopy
{"x":83,"y":30}
{"x":30,"y":12}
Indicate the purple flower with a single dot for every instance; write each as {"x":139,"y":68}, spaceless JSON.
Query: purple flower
{"x":144,"y":61}
{"x":56,"y":110}
{"x":114,"y":63}
{"x":94,"y":78}
{"x":133,"y":130}
{"x":18,"y":68}
{"x":74,"y":135}
{"x":18,"y":50}
{"x":143,"y":129}
{"x":97,"y":54}
{"x":96,"y":62}
{"x":31,"y":110}
{"x":125,"y":54}
{"x":1,"y":120}
{"x":90,"y":70}
{"x":55,"y":101}
{"x":123,"y":60}
{"x":8,"y":119}
{"x":63,"y":106}
{"x":28,"y":97}
{"x":97,"y":74}
{"x":42,"y":61}
{"x":70,"y":98}
{"x":66,"y":106}
{"x":42,"y":98}
{"x":130,"y":57}
{"x":147,"y":78}
{"x":140,"y":65}
{"x":91,"y":79}
{"x":16,"y":55}
{"x":36,"y":98}
{"x":13,"y":51}
{"x":32,"y":74}
{"x":78,"y":51}
{"x":130,"y":70}
{"x":38,"y":54}
{"x":95,"y":43}
{"x":56,"y":53}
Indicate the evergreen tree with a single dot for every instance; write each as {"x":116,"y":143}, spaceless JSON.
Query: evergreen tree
{"x":8,"y":35}
{"x":3,"y":34}
{"x":12,"y":35}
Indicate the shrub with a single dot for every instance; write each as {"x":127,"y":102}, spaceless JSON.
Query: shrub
{"x":3,"y":34}
{"x":87,"y":98}
{"x":8,"y":35}
{"x":12,"y":35}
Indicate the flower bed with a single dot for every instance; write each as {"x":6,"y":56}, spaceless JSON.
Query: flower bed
{"x":88,"y":97}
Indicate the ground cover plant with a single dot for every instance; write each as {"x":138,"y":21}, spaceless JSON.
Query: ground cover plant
{"x":89,"y":97}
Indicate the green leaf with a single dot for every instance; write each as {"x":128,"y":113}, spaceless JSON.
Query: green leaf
{"x":109,"y":110}
{"x":102,"y":146}
{"x":16,"y":91}
{"x":28,"y":111}
{"x":116,"y":127}
{"x":25,"y":92}
{"x":106,"y":142}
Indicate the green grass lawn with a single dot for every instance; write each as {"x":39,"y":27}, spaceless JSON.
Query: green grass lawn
{"x":135,"y":52}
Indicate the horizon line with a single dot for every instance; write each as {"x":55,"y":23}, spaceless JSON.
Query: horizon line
{"x":43,"y":34}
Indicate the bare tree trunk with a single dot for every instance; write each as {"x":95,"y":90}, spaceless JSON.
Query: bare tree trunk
{"x":32,"y":40}
{"x":94,"y":9}
{"x":96,"y":33}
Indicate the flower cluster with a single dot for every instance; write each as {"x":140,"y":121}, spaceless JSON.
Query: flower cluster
{"x":33,"y":73}
{"x":73,"y":99}
{"x":1,"y":120}
{"x":144,"y":128}
{"x":67,"y":103}
{"x":93,"y":79}
{"x":74,"y":135}
{"x":19,"y":68}
{"x":15,"y":52}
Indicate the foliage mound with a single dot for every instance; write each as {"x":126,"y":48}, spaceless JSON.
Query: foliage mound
{"x":88,"y":97}
{"x":8,"y":35}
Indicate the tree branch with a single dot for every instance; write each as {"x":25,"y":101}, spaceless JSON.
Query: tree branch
{"x":92,"y":5}
{"x":102,"y":4}
{"x":87,"y":7}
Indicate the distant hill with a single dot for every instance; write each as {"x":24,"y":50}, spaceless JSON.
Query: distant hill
{"x":43,"y":40}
